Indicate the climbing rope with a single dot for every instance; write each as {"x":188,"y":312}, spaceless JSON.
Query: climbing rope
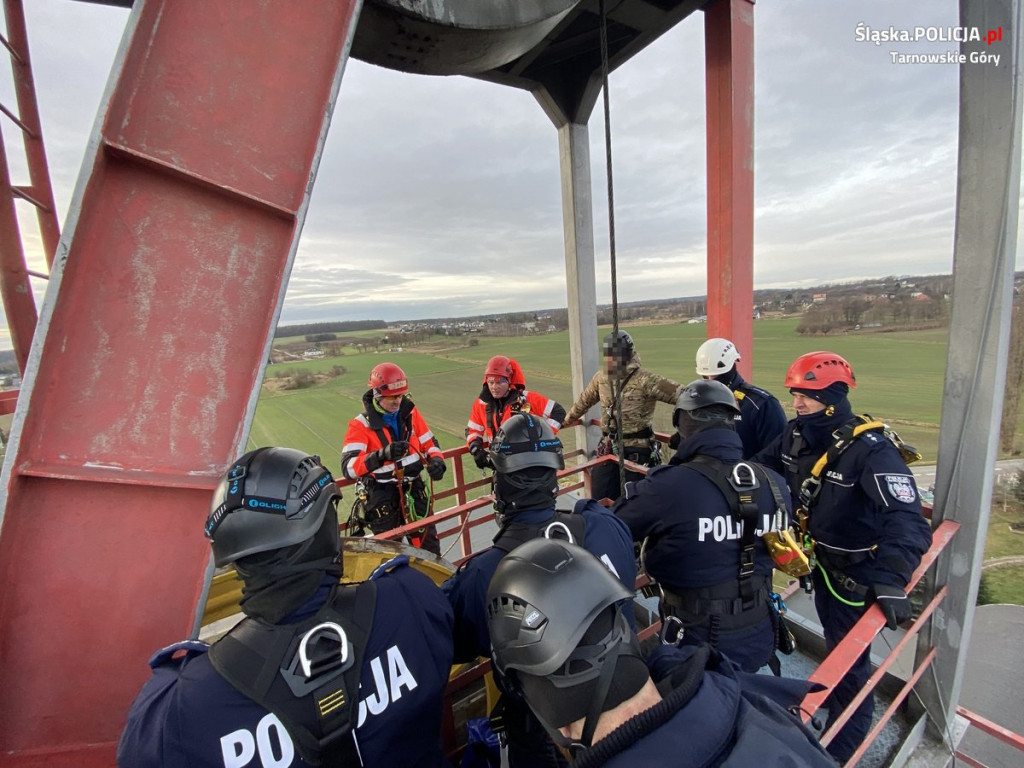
{"x":617,"y":401}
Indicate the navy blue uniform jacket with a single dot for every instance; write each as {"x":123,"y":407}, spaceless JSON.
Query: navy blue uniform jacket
{"x":606,"y":537}
{"x":761,"y":416}
{"x":731,"y":720}
{"x":693,"y":539}
{"x":868,"y":498}
{"x":187,"y":715}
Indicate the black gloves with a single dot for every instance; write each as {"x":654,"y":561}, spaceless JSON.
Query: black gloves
{"x":673,"y":441}
{"x":894,"y":604}
{"x":390,"y":452}
{"x":394,"y":451}
{"x":480,"y":457}
{"x":436,"y":468}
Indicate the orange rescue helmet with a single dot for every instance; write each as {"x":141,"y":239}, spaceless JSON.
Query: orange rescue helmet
{"x":818,"y":370}
{"x":387,"y":379}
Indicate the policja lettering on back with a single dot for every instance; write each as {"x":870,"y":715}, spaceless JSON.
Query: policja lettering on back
{"x":727,"y":528}
{"x":271,"y":741}
{"x":714,"y":580}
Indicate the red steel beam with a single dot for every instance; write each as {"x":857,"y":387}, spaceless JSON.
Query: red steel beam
{"x":15,"y":287}
{"x":150,"y":351}
{"x":41,"y":193}
{"x":729,"y":62}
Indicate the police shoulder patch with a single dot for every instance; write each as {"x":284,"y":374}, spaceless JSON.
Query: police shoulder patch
{"x":900,"y":487}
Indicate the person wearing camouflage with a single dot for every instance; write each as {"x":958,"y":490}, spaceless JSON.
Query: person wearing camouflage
{"x":639,"y":391}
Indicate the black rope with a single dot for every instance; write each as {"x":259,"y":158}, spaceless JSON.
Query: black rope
{"x":617,"y":402}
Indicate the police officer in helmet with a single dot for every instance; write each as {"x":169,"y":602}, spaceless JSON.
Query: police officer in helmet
{"x":762,"y":416}
{"x":317,"y":672}
{"x":526,"y":456}
{"x":864,"y":517}
{"x":701,"y":519}
{"x":560,"y":638}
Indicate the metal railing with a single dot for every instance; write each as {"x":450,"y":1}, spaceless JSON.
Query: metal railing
{"x":460,"y":520}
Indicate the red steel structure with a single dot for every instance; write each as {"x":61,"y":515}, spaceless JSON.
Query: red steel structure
{"x":729,"y":57}
{"x":170,"y":284}
{"x":143,"y":378}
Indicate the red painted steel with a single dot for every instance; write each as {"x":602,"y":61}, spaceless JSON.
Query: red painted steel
{"x":729,"y":62}
{"x":40,"y":194}
{"x":15,"y":288}
{"x":839,"y":661}
{"x":8,"y":401}
{"x":995,"y":730}
{"x":883,"y":667}
{"x":153,"y":343}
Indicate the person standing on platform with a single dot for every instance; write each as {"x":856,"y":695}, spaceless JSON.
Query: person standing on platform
{"x":858,"y":506}
{"x":763,"y":418}
{"x":561,"y":638}
{"x":526,"y":456}
{"x":504,"y":393}
{"x":623,"y":382}
{"x":318,"y":672}
{"x":386,"y":447}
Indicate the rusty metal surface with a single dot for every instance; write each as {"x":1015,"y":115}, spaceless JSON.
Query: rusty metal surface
{"x":151,"y":344}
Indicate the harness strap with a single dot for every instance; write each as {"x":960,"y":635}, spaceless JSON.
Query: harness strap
{"x":739,"y":485}
{"x":646,"y":432}
{"x":512,"y":534}
{"x":843,"y":438}
{"x":307,"y":674}
{"x":698,"y":607}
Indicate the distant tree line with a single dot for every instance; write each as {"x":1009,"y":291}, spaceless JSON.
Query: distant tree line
{"x":315,"y":328}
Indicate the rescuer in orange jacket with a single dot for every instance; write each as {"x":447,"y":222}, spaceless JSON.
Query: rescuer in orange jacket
{"x":504,"y":393}
{"x":386,"y":447}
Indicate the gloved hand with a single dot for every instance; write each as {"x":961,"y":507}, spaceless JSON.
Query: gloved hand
{"x":673,"y":441}
{"x":394,"y":451}
{"x":390,"y":452}
{"x":436,"y":468}
{"x":894,"y":604}
{"x":480,"y":457}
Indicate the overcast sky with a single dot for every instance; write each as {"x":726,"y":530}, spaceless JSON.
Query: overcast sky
{"x":441,"y":196}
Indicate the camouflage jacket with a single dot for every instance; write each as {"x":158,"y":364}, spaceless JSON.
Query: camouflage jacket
{"x":642,"y":392}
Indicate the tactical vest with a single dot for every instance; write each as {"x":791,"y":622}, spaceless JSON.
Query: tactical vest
{"x":306,"y":673}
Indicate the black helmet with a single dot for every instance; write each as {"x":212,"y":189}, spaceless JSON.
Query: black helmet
{"x":555,"y":625}
{"x":706,"y":400}
{"x":269,"y":499}
{"x":619,"y":344}
{"x":525,"y":440}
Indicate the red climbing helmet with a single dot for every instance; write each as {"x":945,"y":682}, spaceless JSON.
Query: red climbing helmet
{"x":499,"y":365}
{"x":387,"y":379}
{"x":817,"y":370}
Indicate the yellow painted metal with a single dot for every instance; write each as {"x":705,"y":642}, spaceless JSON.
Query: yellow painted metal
{"x":361,"y":557}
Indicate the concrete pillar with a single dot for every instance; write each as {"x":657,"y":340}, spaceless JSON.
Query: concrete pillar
{"x":578,"y":225}
{"x":988,"y":188}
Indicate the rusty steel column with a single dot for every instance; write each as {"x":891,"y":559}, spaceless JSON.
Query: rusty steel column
{"x":150,"y":350}
{"x":729,"y":62}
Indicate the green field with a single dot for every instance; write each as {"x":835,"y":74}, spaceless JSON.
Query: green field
{"x":900,"y":379}
{"x":899,"y":375}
